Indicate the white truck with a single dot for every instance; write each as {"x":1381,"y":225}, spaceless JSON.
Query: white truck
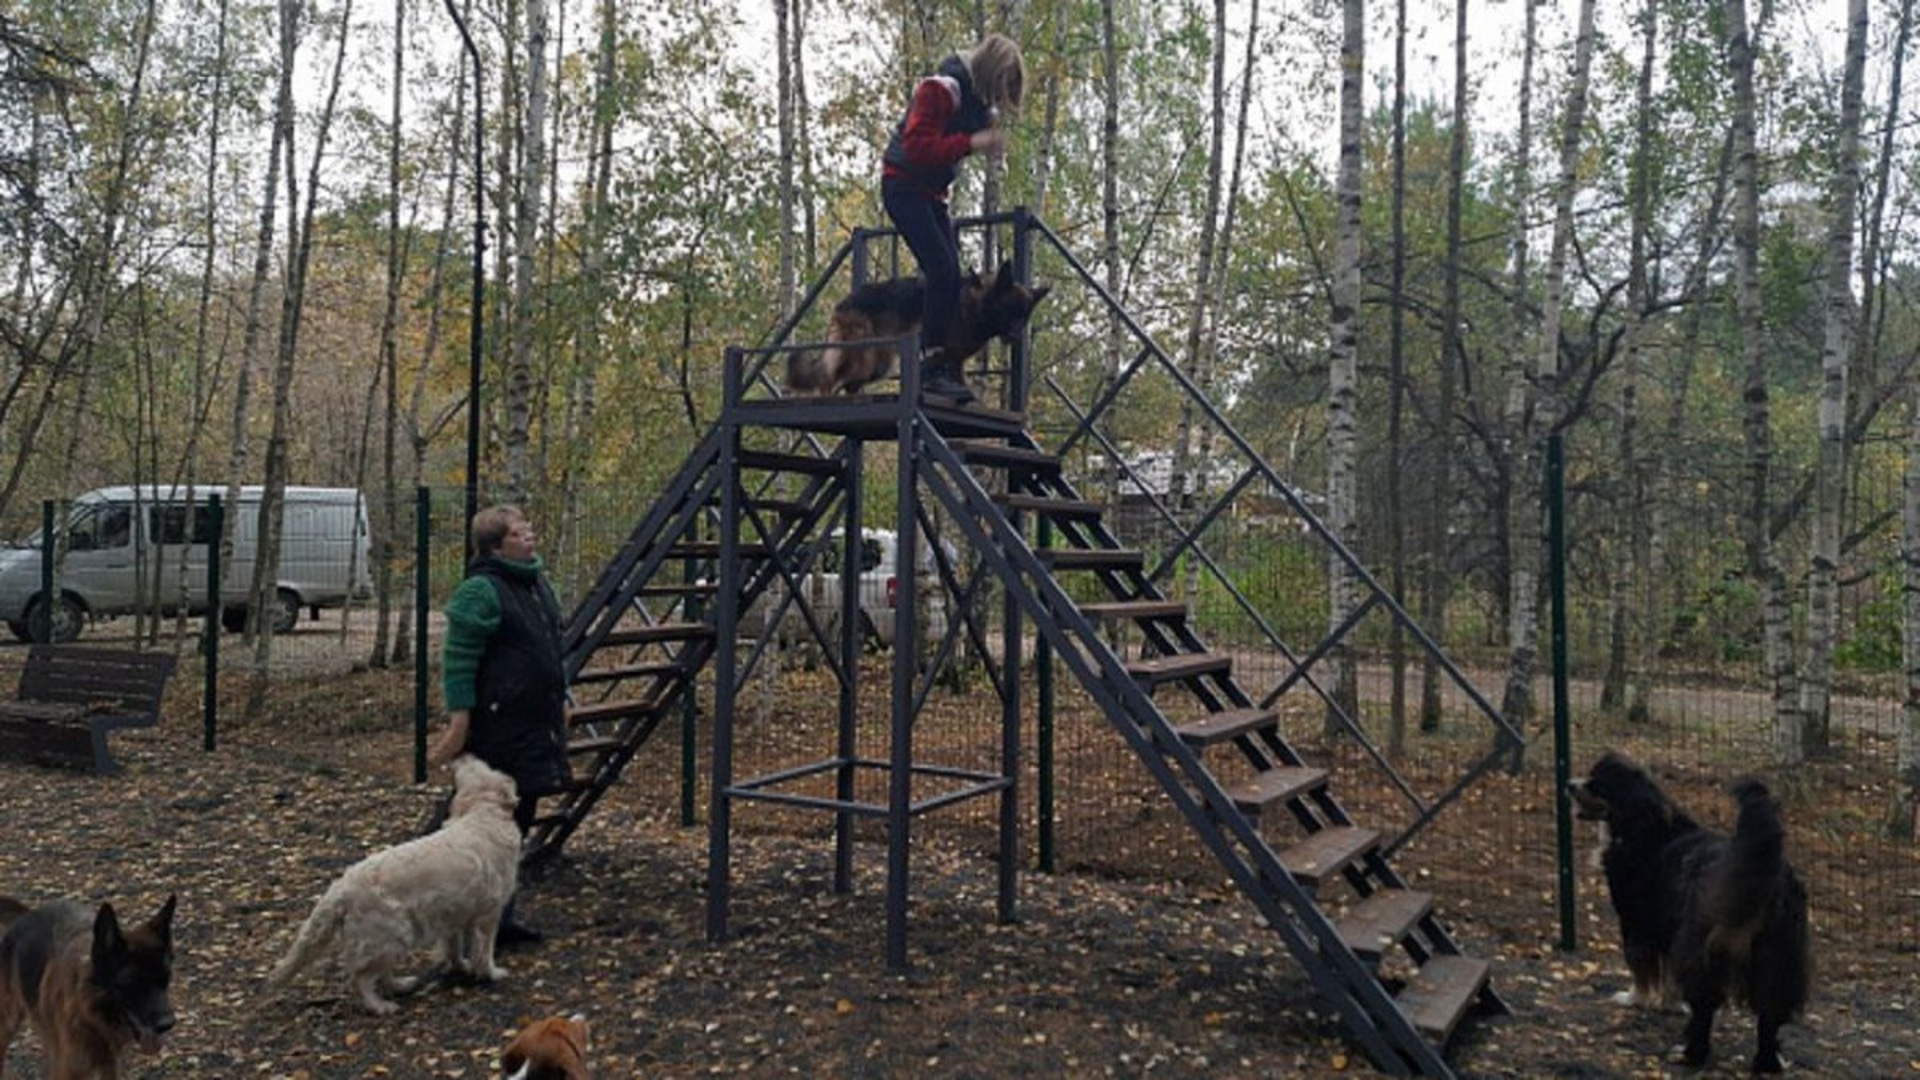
{"x":125,"y":545}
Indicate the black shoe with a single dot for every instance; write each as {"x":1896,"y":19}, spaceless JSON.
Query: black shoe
{"x":941,"y":383}
{"x":516,"y":933}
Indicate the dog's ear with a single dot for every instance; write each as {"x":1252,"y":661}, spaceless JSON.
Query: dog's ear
{"x":162,"y":922}
{"x":1004,"y":280}
{"x":1039,"y":294}
{"x":108,"y":941}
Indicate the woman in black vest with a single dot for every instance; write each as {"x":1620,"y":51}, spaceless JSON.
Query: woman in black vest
{"x":502,"y":677}
{"x":954,"y":113}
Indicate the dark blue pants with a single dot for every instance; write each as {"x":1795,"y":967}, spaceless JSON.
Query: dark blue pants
{"x":928,"y":230}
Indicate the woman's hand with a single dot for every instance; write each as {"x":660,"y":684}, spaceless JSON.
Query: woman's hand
{"x":451,"y":741}
{"x":990,"y":141}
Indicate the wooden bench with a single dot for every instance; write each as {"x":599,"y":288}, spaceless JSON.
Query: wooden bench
{"x":70,"y":698}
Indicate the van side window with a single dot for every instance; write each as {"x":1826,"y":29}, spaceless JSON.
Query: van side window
{"x":116,"y":527}
{"x":169,"y":524}
{"x":83,"y":532}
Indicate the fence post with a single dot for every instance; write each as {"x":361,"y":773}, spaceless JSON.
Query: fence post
{"x":46,"y":572}
{"x":210,"y":694}
{"x":422,"y":547}
{"x":1562,"y":737}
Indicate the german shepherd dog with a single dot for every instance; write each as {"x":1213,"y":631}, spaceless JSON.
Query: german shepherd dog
{"x":90,"y":987}
{"x":875,"y":314}
{"x":1716,"y":917}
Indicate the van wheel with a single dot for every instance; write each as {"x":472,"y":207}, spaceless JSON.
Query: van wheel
{"x":18,"y":627}
{"x":68,"y":618}
{"x":286,"y":611}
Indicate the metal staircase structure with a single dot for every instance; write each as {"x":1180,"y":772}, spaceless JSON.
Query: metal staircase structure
{"x":639,"y":644}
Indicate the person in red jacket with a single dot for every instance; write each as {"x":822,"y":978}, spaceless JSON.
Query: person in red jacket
{"x":954,"y":113}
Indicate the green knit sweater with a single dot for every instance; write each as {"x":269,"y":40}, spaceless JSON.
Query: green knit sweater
{"x":472,"y":616}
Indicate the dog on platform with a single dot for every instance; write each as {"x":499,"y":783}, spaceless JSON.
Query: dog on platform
{"x":551,"y":1049}
{"x":864,"y":331}
{"x":1712,"y":916}
{"x":91,"y":987}
{"x":444,"y":890}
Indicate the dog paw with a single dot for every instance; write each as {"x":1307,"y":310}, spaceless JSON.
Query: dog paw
{"x":379,"y":1006}
{"x":492,"y":974}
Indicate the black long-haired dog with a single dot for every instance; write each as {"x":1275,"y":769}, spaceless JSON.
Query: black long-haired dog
{"x":1717,"y":918}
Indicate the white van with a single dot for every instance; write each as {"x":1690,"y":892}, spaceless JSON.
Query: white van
{"x":879,"y":591}
{"x":121,"y":541}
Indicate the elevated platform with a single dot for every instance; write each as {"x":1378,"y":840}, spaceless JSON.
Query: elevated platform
{"x":877,"y":417}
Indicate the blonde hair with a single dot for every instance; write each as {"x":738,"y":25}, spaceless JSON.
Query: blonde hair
{"x":999,"y":74}
{"x":491,"y":526}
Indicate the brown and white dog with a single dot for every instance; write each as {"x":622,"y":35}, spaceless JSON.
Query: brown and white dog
{"x":874,"y":316}
{"x":91,"y":988}
{"x":551,"y":1049}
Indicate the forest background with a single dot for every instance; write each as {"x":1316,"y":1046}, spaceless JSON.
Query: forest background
{"x":1399,"y":249}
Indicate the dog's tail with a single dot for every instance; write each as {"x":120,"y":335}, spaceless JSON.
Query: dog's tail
{"x":319,"y":931}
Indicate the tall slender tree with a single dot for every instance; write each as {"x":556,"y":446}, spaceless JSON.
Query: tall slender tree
{"x":1532,"y":419}
{"x":1762,"y":562}
{"x":1836,"y":355}
{"x":1343,"y":360}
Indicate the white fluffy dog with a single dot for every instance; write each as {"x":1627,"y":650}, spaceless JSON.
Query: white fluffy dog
{"x":445,"y":889}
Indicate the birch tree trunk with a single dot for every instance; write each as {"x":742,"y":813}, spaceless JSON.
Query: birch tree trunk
{"x":384,"y":549}
{"x":1763,"y":565}
{"x":1396,"y":391}
{"x":1435,"y":578}
{"x":293,"y":298}
{"x":421,"y":432}
{"x":1626,"y":684}
{"x":1186,"y":484}
{"x":239,"y":447}
{"x":1343,"y":358}
{"x":1836,"y":354}
{"x":583,"y":390}
{"x":1904,"y":814}
{"x":809,"y":228}
{"x":1110,"y":216}
{"x":784,"y":61}
{"x":526,"y":227}
{"x":1531,"y":421}
{"x":203,"y":378}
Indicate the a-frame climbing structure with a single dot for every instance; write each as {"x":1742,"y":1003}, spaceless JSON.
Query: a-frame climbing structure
{"x":747,"y":517}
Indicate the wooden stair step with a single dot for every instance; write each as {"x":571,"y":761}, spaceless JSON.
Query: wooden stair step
{"x":658,"y":633}
{"x":1382,"y":920}
{"x":690,"y":588}
{"x":594,"y":744}
{"x":1139,"y":610}
{"x":1000,"y":456}
{"x":602,"y":712}
{"x":626,"y":671}
{"x":1076,"y":509}
{"x":1441,"y":992}
{"x":775,"y":461}
{"x":710,"y":549}
{"x":1327,"y":852}
{"x":1179,"y":667}
{"x":1221,"y":726}
{"x":1274,"y":785}
{"x":1091,"y":558}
